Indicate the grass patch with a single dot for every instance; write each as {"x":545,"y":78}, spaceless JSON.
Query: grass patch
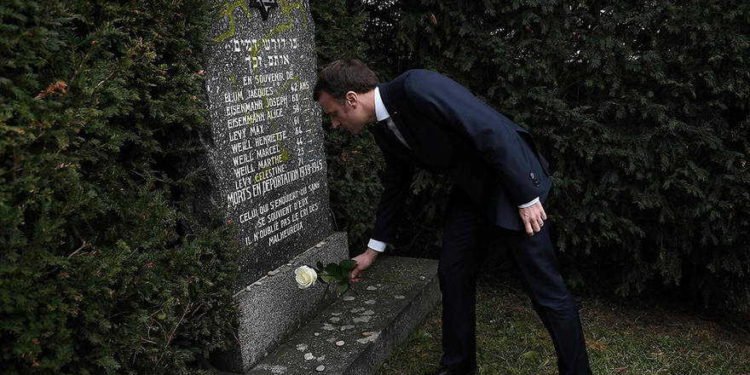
{"x":621,"y":340}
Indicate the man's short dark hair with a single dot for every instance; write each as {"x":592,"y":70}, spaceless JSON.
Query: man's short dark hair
{"x":341,"y":76}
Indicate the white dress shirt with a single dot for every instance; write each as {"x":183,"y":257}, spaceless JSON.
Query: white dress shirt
{"x":381,"y":113}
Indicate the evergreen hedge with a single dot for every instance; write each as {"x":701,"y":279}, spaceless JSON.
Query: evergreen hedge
{"x":641,"y":106}
{"x":109,"y":261}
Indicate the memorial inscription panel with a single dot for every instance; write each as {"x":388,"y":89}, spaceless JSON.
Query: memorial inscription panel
{"x":267,"y":150}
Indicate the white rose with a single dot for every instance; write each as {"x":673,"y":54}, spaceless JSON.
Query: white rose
{"x":305,"y":276}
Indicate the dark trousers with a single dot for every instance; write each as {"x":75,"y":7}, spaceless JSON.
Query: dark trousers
{"x":465,"y":233}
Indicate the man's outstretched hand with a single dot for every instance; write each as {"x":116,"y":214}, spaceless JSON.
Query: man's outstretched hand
{"x":533,"y":218}
{"x":364,"y":261}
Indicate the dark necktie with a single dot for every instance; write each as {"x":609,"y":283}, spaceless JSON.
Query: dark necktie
{"x":390,"y":125}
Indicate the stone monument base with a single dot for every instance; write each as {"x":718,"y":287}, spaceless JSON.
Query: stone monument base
{"x":273,"y":306}
{"x":292,"y":331}
{"x":357,"y":331}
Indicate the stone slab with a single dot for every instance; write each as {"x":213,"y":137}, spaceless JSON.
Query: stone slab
{"x":358,"y":331}
{"x":274,"y":306}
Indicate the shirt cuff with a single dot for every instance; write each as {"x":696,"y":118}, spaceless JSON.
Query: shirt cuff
{"x":535,"y":201}
{"x":376,"y":245}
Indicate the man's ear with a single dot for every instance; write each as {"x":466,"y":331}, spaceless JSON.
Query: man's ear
{"x":351,"y":98}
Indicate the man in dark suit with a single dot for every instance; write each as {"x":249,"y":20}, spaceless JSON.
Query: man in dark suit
{"x":424,"y":119}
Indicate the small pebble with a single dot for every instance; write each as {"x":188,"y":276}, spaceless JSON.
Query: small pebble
{"x":320,"y":244}
{"x":372,"y":288}
{"x":348,"y":326}
{"x":320,"y":368}
{"x":328,"y":327}
{"x":271,"y":273}
{"x":358,"y":309}
{"x":321,"y":358}
{"x":422,"y":277}
{"x":367,"y":333}
{"x":335,"y":319}
{"x":309,"y":356}
{"x":301,"y":347}
{"x":362,"y":319}
{"x":399,"y":296}
{"x":316,"y":333}
{"x":336,"y":313}
{"x":348,"y":298}
{"x":340,"y":343}
{"x":368,"y":312}
{"x":369,"y":338}
{"x":370,"y":302}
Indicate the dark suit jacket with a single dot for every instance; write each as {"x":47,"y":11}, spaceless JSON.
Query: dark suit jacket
{"x":452,"y":132}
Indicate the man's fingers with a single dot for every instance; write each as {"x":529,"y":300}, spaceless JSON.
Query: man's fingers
{"x":536,"y":226}
{"x":354,"y":275}
{"x":533,"y":219}
{"x":529,"y":230}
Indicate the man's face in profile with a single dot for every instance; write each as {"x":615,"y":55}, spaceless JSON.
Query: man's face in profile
{"x":349,"y":115}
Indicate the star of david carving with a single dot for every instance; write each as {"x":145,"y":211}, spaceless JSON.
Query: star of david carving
{"x":264,"y":6}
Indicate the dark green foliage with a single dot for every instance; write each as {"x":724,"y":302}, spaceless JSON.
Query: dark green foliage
{"x":336,"y":274}
{"x":352,"y":160}
{"x":641,"y":106}
{"x":108,"y":263}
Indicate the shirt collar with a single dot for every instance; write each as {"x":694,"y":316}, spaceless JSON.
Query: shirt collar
{"x":381,"y":113}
